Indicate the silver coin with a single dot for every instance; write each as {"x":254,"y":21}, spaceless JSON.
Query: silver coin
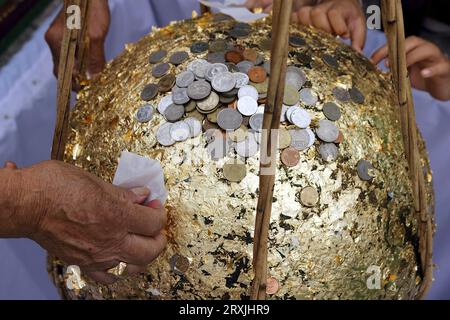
{"x":218,"y":148}
{"x":163,"y":135}
{"x":247,"y":148}
{"x":157,"y":56}
{"x":301,"y":118}
{"x":224,"y":82}
{"x":312,"y":137}
{"x":364,"y":169}
{"x":180,"y":95}
{"x":208,"y":104}
{"x":199,"y":90}
{"x":248,"y":91}
{"x":332,"y":111}
{"x":160,"y":70}
{"x":356,"y":95}
{"x":284,"y":109}
{"x":257,"y":135}
{"x":229,"y":119}
{"x":180,"y":131}
{"x":198,"y":67}
{"x":341,"y":94}
{"x":214,"y":69}
{"x":149,"y":92}
{"x":195,"y":126}
{"x":289,"y":112}
{"x":145,"y":114}
{"x":256,"y":121}
{"x":327,"y":131}
{"x":164,"y":103}
{"x":247,"y":106}
{"x":245,"y":66}
{"x":308,"y":97}
{"x":300,"y":139}
{"x":295,"y":77}
{"x":241,"y":79}
{"x":174,"y":112}
{"x":178,"y":57}
{"x":184,"y":79}
{"x":329,"y":152}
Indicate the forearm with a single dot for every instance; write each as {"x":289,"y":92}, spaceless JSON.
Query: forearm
{"x":20,"y":203}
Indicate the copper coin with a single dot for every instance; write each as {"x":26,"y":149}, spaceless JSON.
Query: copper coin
{"x":250,"y":55}
{"x":166,"y":83}
{"x":257,"y":74}
{"x":272,"y":286}
{"x":233,"y":105}
{"x":290,"y":157}
{"x":208,"y":125}
{"x":340,"y":138}
{"x":234,"y":57}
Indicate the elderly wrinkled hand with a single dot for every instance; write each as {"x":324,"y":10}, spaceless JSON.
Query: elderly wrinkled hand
{"x":81,"y":219}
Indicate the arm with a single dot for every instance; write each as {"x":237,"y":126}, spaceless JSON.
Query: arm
{"x":81,"y":219}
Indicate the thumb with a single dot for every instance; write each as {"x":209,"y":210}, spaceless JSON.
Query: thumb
{"x":10,"y":165}
{"x":140,"y":194}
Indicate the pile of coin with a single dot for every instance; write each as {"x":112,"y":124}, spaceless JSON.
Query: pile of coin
{"x":222,"y":93}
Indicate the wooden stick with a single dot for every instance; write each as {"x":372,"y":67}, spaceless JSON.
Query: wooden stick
{"x":394,"y":26}
{"x":66,"y":65}
{"x":83,"y":39}
{"x":272,"y":115}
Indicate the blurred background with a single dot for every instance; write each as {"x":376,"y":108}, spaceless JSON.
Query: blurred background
{"x":28,"y":105}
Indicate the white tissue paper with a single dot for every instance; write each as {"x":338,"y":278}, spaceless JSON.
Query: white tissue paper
{"x":135,"y":171}
{"x":235,"y":9}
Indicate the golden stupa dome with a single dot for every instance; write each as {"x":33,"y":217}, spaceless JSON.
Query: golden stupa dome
{"x":343,"y":208}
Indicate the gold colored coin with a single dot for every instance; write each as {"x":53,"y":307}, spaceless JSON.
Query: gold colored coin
{"x":309,"y":197}
{"x":212,"y":117}
{"x":234,"y":170}
{"x":190,"y":106}
{"x":291,"y":95}
{"x":284,"y":138}
{"x":239,"y":135}
{"x":197,"y":115}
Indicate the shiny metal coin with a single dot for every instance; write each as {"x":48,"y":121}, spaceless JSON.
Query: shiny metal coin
{"x":364,"y":169}
{"x":215,"y":69}
{"x":329,"y":152}
{"x":327,"y":131}
{"x":241,"y":79}
{"x":308,"y":97}
{"x":247,"y":106}
{"x":256,"y":121}
{"x":160,"y":70}
{"x":245,"y":66}
{"x":332,"y":111}
{"x":180,"y":95}
{"x":229,"y":119}
{"x":180,"y":131}
{"x":174,"y":112}
{"x":198,"y":67}
{"x":248,"y":91}
{"x":163,"y":135}
{"x":224,"y":82}
{"x":150,"y":91}
{"x":300,"y":139}
{"x":301,"y":118}
{"x":145,"y":114}
{"x":199,"y":47}
{"x":157,"y":56}
{"x":185,"y":79}
{"x":291,"y":95}
{"x":247,"y":148}
{"x":164,"y":103}
{"x":199,"y":90}
{"x":178,"y":57}
{"x":208,"y":104}
{"x":195,"y":126}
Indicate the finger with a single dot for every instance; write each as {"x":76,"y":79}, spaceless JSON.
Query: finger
{"x":10,"y":165}
{"x":440,"y":69}
{"x":413,"y":42}
{"x":337,"y":22}
{"x":142,"y":251}
{"x":319,"y":19}
{"x":96,"y":58}
{"x":100,"y":266}
{"x":380,"y":54}
{"x":134,"y":269}
{"x":146,"y":221}
{"x":53,"y":37}
{"x":304,"y":16}
{"x":422,"y":53}
{"x":358,"y":33}
{"x":268,"y":9}
{"x":250,"y":4}
{"x":102,"y":277}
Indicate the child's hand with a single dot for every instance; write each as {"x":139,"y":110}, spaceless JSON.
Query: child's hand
{"x":429,"y":68}
{"x":344,"y":18}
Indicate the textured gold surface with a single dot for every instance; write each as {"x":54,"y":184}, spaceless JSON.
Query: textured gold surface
{"x":315,"y":253}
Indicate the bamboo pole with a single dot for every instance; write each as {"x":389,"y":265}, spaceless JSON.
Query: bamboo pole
{"x":393,"y":13}
{"x":70,"y":44}
{"x":272,"y":114}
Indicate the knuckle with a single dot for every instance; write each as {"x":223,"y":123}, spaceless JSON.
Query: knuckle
{"x":316,"y":12}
